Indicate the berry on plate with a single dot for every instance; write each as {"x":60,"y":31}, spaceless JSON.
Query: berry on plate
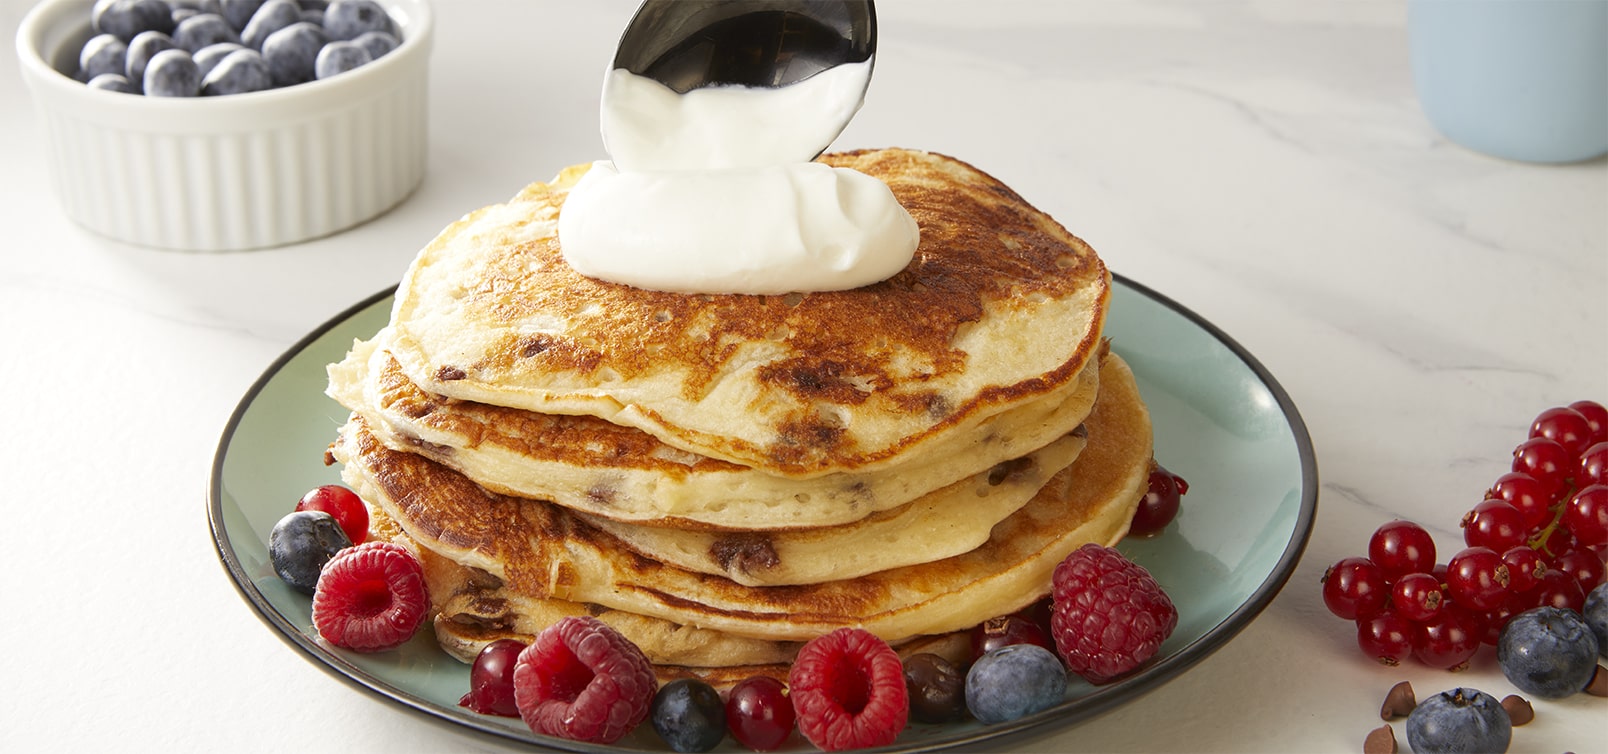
{"x":688,"y":715}
{"x":491,"y":679}
{"x":848,"y":689}
{"x":1160,"y":504}
{"x":937,"y":689}
{"x":371,"y":597}
{"x":581,"y":680}
{"x":1015,"y":628}
{"x":342,"y":503}
{"x":1110,"y":615}
{"x":759,"y":714}
{"x":1014,"y":681}
{"x":1459,"y":720}
{"x":301,"y":543}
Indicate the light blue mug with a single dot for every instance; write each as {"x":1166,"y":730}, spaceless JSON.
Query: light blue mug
{"x":1521,"y":79}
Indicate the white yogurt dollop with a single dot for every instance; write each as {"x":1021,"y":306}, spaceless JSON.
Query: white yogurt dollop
{"x":713,"y":191}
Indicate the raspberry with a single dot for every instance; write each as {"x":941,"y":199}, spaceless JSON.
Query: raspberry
{"x":1110,"y":615}
{"x":371,"y":597}
{"x":581,"y":680}
{"x":849,"y":689}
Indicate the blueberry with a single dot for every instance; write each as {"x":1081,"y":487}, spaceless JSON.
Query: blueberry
{"x":1013,"y":681}
{"x":125,"y":19}
{"x":1460,"y":720}
{"x":1596,"y":615}
{"x":292,"y":53}
{"x":199,"y":6}
{"x":318,"y":5}
{"x":239,"y":12}
{"x":339,"y":57}
{"x":313,"y":16}
{"x":179,"y":14}
{"x":345,"y":19}
{"x":271,"y":17}
{"x":103,"y":53}
{"x":172,"y":73}
{"x":378,"y":43}
{"x":114,"y":82}
{"x":208,"y":58}
{"x":239,"y":72}
{"x":1548,"y":652}
{"x":688,"y":714}
{"x":204,"y":29}
{"x":140,"y":51}
{"x":301,"y":543}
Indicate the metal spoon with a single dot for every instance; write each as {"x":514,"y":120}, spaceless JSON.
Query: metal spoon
{"x":689,"y":44}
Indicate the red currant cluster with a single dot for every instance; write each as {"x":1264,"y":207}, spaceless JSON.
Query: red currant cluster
{"x":1538,"y":538}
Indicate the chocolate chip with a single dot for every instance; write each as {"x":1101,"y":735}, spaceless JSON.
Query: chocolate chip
{"x":1599,"y":682}
{"x":1380,"y":740}
{"x":1398,"y":702}
{"x":1518,"y":709}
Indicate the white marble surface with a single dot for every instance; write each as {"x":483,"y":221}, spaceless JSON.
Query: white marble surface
{"x":1263,"y":162}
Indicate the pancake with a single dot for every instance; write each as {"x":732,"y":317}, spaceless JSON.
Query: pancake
{"x":473,"y":611}
{"x":623,"y":474}
{"x":950,"y":521}
{"x":1000,"y":307}
{"x":535,"y":549}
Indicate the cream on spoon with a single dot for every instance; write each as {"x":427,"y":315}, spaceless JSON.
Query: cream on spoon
{"x":712,"y":113}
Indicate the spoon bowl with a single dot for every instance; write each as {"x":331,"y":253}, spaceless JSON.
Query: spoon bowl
{"x":690,"y":44}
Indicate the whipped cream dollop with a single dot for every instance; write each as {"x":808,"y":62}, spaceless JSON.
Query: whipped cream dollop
{"x":715,"y":191}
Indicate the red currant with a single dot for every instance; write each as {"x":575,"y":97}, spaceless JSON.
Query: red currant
{"x":1583,"y":565}
{"x":1565,"y":426}
{"x":344,"y":505}
{"x":1546,"y":461}
{"x":1417,"y":597}
{"x":1354,"y":587}
{"x":1522,"y":491}
{"x":491,"y":679}
{"x":1593,"y":466}
{"x":1586,"y":515}
{"x":1477,"y":579}
{"x":1007,"y":629}
{"x":1160,"y":504}
{"x":1401,"y":547}
{"x":1386,"y":637}
{"x":1495,"y":620}
{"x":1525,"y":568}
{"x":1596,"y":418}
{"x":1495,"y":524}
{"x":759,"y":714}
{"x":1559,"y":589}
{"x":1448,"y":640}
{"x":1558,"y":541}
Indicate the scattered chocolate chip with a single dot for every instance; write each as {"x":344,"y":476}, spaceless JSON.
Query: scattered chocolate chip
{"x":1518,"y":709}
{"x":1398,"y":702}
{"x":1380,"y":740}
{"x":1599,"y":682}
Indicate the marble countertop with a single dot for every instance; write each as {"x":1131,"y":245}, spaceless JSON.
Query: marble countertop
{"x":1265,"y":163}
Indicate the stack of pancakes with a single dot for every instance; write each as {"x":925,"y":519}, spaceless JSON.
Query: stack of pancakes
{"x":723,"y":477}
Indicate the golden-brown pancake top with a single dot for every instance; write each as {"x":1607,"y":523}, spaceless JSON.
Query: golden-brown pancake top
{"x":999,"y":305}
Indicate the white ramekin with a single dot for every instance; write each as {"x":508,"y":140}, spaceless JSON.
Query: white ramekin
{"x":241,"y":171}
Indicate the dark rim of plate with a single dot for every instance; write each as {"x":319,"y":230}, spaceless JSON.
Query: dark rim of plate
{"x":1100,"y":700}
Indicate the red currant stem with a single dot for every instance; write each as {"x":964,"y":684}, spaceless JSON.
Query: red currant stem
{"x":1539,"y":541}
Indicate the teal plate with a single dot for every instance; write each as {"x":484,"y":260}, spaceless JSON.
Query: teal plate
{"x":1221,"y":422}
